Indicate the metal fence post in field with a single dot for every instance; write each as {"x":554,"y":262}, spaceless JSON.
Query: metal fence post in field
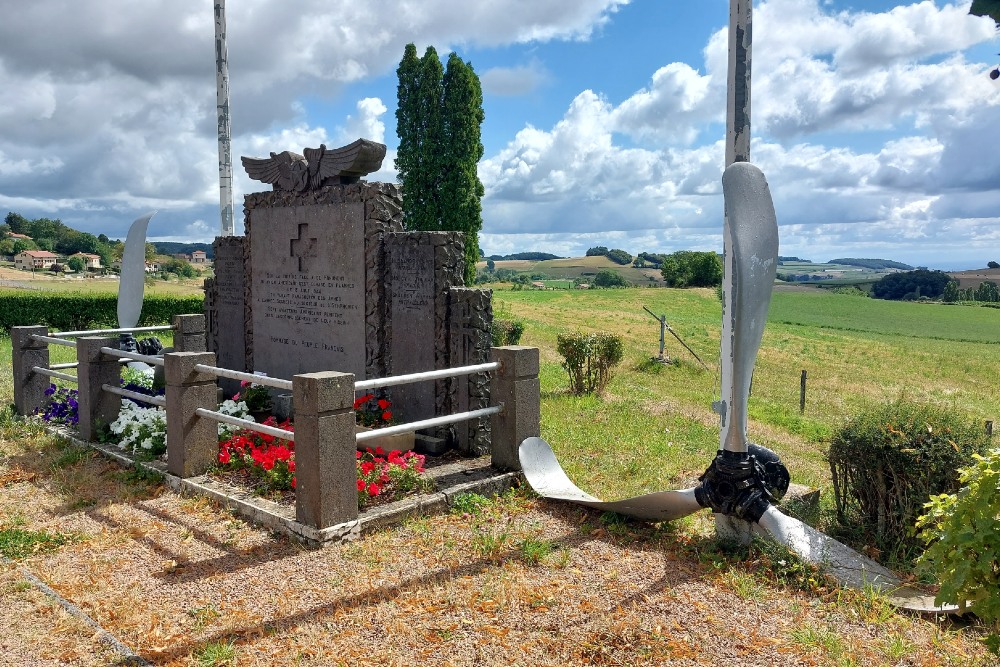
{"x":326,"y":492}
{"x":192,"y":441}
{"x":96,"y":407}
{"x":28,"y":352}
{"x":802,"y":392}
{"x":517,"y":388}
{"x":989,"y":428}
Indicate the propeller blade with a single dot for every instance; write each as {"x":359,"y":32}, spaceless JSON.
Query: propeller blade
{"x":751,"y":260}
{"x":847,"y":566}
{"x":548,"y":479}
{"x":133,"y":273}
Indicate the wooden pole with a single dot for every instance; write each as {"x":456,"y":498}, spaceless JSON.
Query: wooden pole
{"x":802,"y":393}
{"x":989,"y":429}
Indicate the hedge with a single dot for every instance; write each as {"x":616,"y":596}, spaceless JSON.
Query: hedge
{"x":76,"y":312}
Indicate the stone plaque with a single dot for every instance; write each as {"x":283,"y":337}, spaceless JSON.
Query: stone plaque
{"x":230,"y":305}
{"x":412,"y":312}
{"x":308,"y":284}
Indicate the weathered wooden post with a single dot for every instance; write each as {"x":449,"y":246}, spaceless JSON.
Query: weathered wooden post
{"x":326,"y":492}
{"x":96,"y":407}
{"x":517,"y":388}
{"x":27,"y":352}
{"x":802,"y":392}
{"x":192,"y":441}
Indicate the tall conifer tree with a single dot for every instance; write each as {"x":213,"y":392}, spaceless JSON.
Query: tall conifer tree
{"x":438,"y":121}
{"x":461,"y":189}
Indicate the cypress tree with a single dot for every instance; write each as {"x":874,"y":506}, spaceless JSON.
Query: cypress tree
{"x":438,"y":121}
{"x":461,"y":189}
{"x":407,"y":117}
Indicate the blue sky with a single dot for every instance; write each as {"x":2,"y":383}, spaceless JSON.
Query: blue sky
{"x":603,"y":117}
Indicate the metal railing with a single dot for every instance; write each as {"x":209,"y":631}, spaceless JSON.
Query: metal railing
{"x":433,"y":422}
{"x":158,"y":401}
{"x":97,"y":332}
{"x":134,"y":356}
{"x":277,"y":383}
{"x":247,"y":424}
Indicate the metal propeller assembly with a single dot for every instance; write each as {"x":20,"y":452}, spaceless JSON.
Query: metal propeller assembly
{"x":745,"y":481}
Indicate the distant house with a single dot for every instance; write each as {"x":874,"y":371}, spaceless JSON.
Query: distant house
{"x":15,"y":235}
{"x":199,"y":257}
{"x":35,"y":259}
{"x":91,"y":261}
{"x":538,"y":284}
{"x":151,"y":267}
{"x":181,"y":255}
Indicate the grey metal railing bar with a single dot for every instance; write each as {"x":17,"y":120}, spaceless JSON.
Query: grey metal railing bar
{"x":136,"y":396}
{"x":54,"y":374}
{"x":428,"y":423}
{"x":95,"y":332}
{"x":426,"y":375}
{"x":246,"y":423}
{"x":135,"y":356}
{"x":277,"y":383}
{"x":54,"y":341}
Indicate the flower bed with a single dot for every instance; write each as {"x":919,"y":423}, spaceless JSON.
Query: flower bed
{"x":265,"y":464}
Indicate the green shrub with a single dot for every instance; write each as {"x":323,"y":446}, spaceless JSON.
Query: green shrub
{"x":507,"y":328}
{"x":889,"y":459}
{"x":963,"y":543}
{"x":589,"y":358}
{"x":78,"y":311}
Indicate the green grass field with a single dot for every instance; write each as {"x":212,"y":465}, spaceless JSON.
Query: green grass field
{"x":654,"y":428}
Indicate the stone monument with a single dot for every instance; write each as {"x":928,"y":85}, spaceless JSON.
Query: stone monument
{"x":325,"y":278}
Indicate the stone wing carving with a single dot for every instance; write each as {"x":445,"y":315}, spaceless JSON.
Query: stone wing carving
{"x":285,"y":170}
{"x":347,"y":164}
{"x":319,"y":167}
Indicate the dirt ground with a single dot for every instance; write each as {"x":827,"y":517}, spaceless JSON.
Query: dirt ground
{"x":515,"y":581}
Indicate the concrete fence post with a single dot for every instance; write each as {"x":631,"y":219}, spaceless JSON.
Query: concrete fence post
{"x":189,"y":333}
{"x":192,"y":441}
{"x":29,"y":386}
{"x":517,"y":388}
{"x":326,"y":492}
{"x":96,"y":407}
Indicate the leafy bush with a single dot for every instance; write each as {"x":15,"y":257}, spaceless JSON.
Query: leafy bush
{"x":609,"y":278}
{"x":688,"y":268}
{"x":889,"y":459}
{"x":919,"y":283}
{"x":589,"y":358}
{"x":963,"y":543}
{"x":507,"y":328}
{"x":619,"y":256}
{"x":76,"y":311}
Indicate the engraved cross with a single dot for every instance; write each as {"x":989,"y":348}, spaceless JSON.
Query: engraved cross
{"x":304,"y":248}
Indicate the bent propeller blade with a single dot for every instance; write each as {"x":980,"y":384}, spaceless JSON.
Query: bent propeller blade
{"x":548,"y":479}
{"x":750,"y":248}
{"x":133,"y":274}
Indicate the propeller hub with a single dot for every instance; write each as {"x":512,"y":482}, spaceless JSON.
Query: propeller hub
{"x":743,"y":484}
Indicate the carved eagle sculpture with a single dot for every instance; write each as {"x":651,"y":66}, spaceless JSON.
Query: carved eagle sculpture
{"x":319,"y":167}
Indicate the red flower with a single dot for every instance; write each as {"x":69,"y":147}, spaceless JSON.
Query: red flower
{"x":387,"y":415}
{"x":383,"y":404}
{"x":373,"y":489}
{"x":379,"y":451}
{"x":293,"y":480}
{"x":224,"y":456}
{"x":361,"y":485}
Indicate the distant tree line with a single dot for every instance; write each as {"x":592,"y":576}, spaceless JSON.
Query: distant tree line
{"x":616,"y":255}
{"x":874,"y":264}
{"x":793,"y":259}
{"x":533,"y":256}
{"x":689,"y":268}
{"x":54,"y":236}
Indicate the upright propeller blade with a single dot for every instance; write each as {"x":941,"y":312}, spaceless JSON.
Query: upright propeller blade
{"x":133,"y":274}
{"x":751,"y":257}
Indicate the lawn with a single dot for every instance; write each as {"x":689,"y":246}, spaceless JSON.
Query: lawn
{"x":654,"y":429}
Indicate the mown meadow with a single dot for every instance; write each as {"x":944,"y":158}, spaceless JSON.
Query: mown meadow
{"x":654,"y":428}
